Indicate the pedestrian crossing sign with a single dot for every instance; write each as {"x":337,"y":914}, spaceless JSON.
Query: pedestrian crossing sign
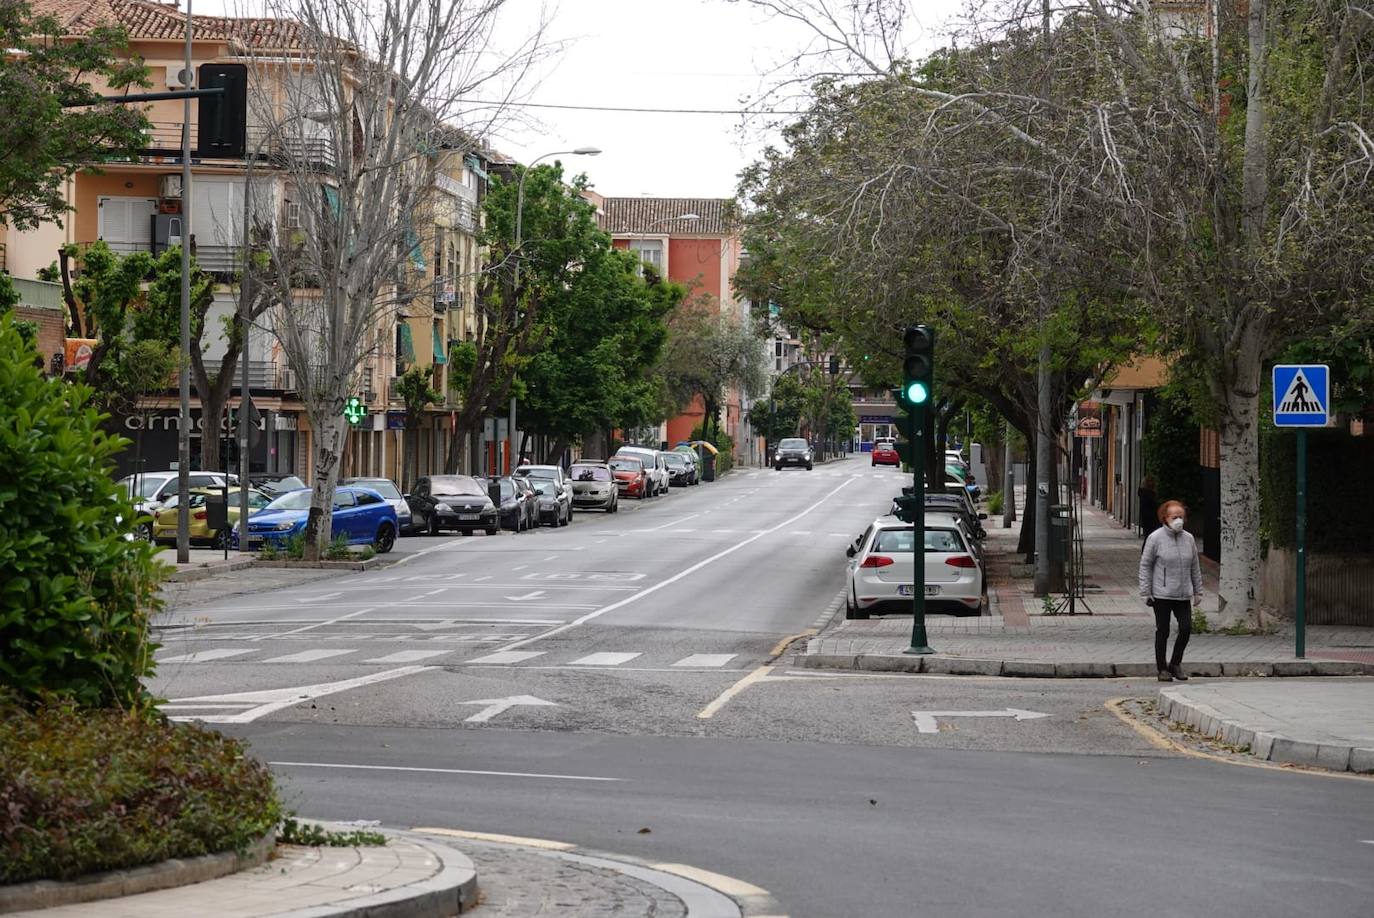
{"x":1302,"y":395}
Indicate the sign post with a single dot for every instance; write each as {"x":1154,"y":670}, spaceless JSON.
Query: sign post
{"x":1302,"y":399}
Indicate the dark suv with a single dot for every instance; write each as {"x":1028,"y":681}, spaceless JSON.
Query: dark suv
{"x":792,"y":451}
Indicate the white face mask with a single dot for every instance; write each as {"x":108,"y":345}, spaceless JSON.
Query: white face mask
{"x":1176,"y":524}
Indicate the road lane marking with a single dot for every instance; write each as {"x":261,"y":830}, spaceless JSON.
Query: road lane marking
{"x":495,"y":706}
{"x":724,"y":697}
{"x":408,"y":656}
{"x":533,"y":594}
{"x":551,"y":558}
{"x":690,"y":516}
{"x":519,"y":567}
{"x":441,"y":771}
{"x":329,"y":622}
{"x":271,"y":700}
{"x":654,"y":588}
{"x":508,"y":656}
{"x":926,"y":721}
{"x":202,"y":656}
{"x":309,"y":656}
{"x":545,"y":843}
{"x":605,"y":659}
{"x":706,"y":659}
{"x":320,"y":598}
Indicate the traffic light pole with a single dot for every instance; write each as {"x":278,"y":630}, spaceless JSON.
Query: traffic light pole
{"x":920,"y":643}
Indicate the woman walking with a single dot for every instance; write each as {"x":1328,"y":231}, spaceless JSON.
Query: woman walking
{"x":1171,"y":582}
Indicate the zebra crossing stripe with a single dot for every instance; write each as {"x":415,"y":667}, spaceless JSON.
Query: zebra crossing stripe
{"x":706,"y":659}
{"x":605,"y":659}
{"x":202,"y":656}
{"x":508,"y":656}
{"x":309,"y":656}
{"x":408,"y":656}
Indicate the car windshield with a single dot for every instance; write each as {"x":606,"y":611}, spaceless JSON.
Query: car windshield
{"x":456,"y":486}
{"x":293,"y":500}
{"x":676,"y":460}
{"x":902,"y":540}
{"x":546,"y":489}
{"x":382,"y":486}
{"x":530,"y":471}
{"x":590,"y":473}
{"x":277,"y":483}
{"x":625,"y":465}
{"x":792,"y":443}
{"x":507,"y":488}
{"x":147,"y":484}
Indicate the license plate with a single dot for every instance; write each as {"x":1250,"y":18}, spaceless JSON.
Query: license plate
{"x":906,"y":589}
{"x":469,"y":516}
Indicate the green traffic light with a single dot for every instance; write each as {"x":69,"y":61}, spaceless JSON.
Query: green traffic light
{"x":916,"y":392}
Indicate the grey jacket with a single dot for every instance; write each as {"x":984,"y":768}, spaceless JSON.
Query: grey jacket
{"x":1169,"y":566}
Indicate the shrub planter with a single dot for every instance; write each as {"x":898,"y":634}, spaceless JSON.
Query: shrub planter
{"x":367,"y":565}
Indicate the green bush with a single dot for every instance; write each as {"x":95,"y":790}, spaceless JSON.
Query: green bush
{"x":79,"y":590}
{"x":995,"y":503}
{"x":1339,"y":487}
{"x":723,"y":442}
{"x":88,"y":790}
{"x":1170,"y":449}
{"x":338,"y":549}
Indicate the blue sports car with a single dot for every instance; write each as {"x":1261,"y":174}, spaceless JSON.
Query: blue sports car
{"x":361,"y":515}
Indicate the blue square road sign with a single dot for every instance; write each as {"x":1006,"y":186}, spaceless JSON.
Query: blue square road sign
{"x":1302,"y":395}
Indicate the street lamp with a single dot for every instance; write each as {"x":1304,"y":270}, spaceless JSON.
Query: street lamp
{"x":519,"y":238}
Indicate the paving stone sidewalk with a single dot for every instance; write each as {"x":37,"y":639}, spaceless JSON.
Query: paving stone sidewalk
{"x":1325,"y":723}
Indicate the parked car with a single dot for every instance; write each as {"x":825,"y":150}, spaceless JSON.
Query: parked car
{"x":555,"y":509}
{"x":361,"y":516}
{"x":457,"y":502}
{"x":537,"y":474}
{"x":654,"y":463}
{"x":792,"y":451}
{"x":519,"y":503}
{"x":880,"y":575}
{"x":387,"y":488}
{"x":682,"y":472}
{"x":274,"y":483}
{"x":885,"y":453}
{"x":594,"y":486}
{"x":631,"y":478}
{"x":165,"y":518}
{"x":149,"y":490}
{"x":691,"y":456}
{"x":958,"y":504}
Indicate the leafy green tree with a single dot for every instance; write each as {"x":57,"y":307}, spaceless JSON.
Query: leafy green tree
{"x":105,"y":301}
{"x":781,"y":415}
{"x":64,"y":126}
{"x":707,"y":355}
{"x":417,"y":393}
{"x":79,"y":591}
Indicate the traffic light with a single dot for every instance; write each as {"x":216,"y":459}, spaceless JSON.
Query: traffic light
{"x":918,"y":365}
{"x":354,"y":411}
{"x":223,"y":122}
{"x":908,"y":508}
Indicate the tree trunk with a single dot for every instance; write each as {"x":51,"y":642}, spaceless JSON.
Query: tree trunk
{"x":1240,"y":542}
{"x":329,"y":435}
{"x":1025,"y":544}
{"x":556,"y":451}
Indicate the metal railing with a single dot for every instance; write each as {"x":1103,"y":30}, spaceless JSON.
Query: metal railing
{"x":318,"y":152}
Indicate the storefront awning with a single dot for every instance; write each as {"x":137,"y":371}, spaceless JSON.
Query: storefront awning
{"x":440,"y":358}
{"x":407,"y":342}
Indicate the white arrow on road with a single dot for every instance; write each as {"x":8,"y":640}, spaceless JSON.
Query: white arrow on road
{"x":532,"y":595}
{"x":495,"y":706}
{"x":926,"y":720}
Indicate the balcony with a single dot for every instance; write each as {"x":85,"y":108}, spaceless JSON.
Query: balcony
{"x":164,"y":142}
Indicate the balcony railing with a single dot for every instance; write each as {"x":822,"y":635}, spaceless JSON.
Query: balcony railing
{"x":164,"y":139}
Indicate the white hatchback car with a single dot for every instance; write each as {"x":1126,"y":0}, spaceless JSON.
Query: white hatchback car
{"x":880,"y":574}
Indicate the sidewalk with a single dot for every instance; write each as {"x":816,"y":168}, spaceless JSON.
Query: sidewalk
{"x":204,"y":562}
{"x":1327,"y":724}
{"x":1116,"y":639}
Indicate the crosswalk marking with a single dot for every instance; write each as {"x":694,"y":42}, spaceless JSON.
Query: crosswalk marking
{"x":605,"y":659}
{"x":309,"y":656}
{"x":407,"y":656}
{"x":706,"y":659}
{"x":201,"y":656}
{"x":509,"y":656}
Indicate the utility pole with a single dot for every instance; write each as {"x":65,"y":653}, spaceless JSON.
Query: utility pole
{"x":1044,"y":404}
{"x":184,"y":427}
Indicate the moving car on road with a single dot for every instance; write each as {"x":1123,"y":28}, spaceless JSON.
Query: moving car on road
{"x":792,"y":451}
{"x":631,"y":478}
{"x":594,"y":486}
{"x":885,"y":453}
{"x":881,"y":572}
{"x":654,"y":464}
{"x":387,"y":488}
{"x":361,"y":516}
{"x":457,"y":502}
{"x":682,"y":471}
{"x":165,"y":519}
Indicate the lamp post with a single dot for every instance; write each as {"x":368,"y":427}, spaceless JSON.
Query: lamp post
{"x":519,"y":238}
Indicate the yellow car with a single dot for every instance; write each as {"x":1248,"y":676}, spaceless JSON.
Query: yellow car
{"x":165,"y":520}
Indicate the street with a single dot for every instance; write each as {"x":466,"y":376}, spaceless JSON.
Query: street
{"x":631,"y":672}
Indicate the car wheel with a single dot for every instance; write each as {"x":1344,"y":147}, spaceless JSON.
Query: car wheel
{"x":144,"y":531}
{"x":808,"y":466}
{"x":858,"y":613}
{"x":492,"y":530}
{"x":221,"y":540}
{"x":386,"y":539}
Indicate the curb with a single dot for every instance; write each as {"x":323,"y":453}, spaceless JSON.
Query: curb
{"x":1091,"y":669}
{"x":131,"y":881}
{"x":1271,"y":747}
{"x":369,"y":564}
{"x":211,"y":569}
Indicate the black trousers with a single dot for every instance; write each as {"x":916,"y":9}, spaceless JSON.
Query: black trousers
{"x":1182,"y":610}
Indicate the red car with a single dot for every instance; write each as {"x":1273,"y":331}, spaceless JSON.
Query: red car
{"x":630,"y":478}
{"x":885,"y":453}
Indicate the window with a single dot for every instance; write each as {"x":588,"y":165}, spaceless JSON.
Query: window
{"x":365,"y":499}
{"x":590,"y":473}
{"x":344,"y":499}
{"x":902,"y":540}
{"x":650,"y":251}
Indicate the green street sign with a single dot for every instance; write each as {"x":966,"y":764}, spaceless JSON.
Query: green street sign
{"x":354,"y":411}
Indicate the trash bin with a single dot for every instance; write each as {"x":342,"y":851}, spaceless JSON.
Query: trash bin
{"x":216,"y":511}
{"x":1061,"y":531}
{"x":708,"y":465}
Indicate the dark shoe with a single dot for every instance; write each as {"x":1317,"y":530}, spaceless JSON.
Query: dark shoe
{"x":1177,"y":672}
{"x":1165,"y":676}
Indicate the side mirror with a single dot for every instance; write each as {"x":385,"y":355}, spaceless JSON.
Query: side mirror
{"x":982,"y":516}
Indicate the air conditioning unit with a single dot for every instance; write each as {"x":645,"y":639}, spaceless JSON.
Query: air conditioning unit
{"x":180,"y":78}
{"x":169,"y":186}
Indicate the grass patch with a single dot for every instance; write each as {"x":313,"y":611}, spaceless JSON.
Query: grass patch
{"x":294,"y":832}
{"x":1200,"y":623}
{"x":84,"y":790}
{"x":995,"y":503}
{"x":338,"y":549}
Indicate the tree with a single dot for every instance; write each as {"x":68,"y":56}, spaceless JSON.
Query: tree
{"x":416,"y":392}
{"x":707,"y":354}
{"x":359,"y":131}
{"x":780,"y":416}
{"x":65,"y":126}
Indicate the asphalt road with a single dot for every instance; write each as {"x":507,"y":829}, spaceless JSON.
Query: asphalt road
{"x":585,"y":683}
